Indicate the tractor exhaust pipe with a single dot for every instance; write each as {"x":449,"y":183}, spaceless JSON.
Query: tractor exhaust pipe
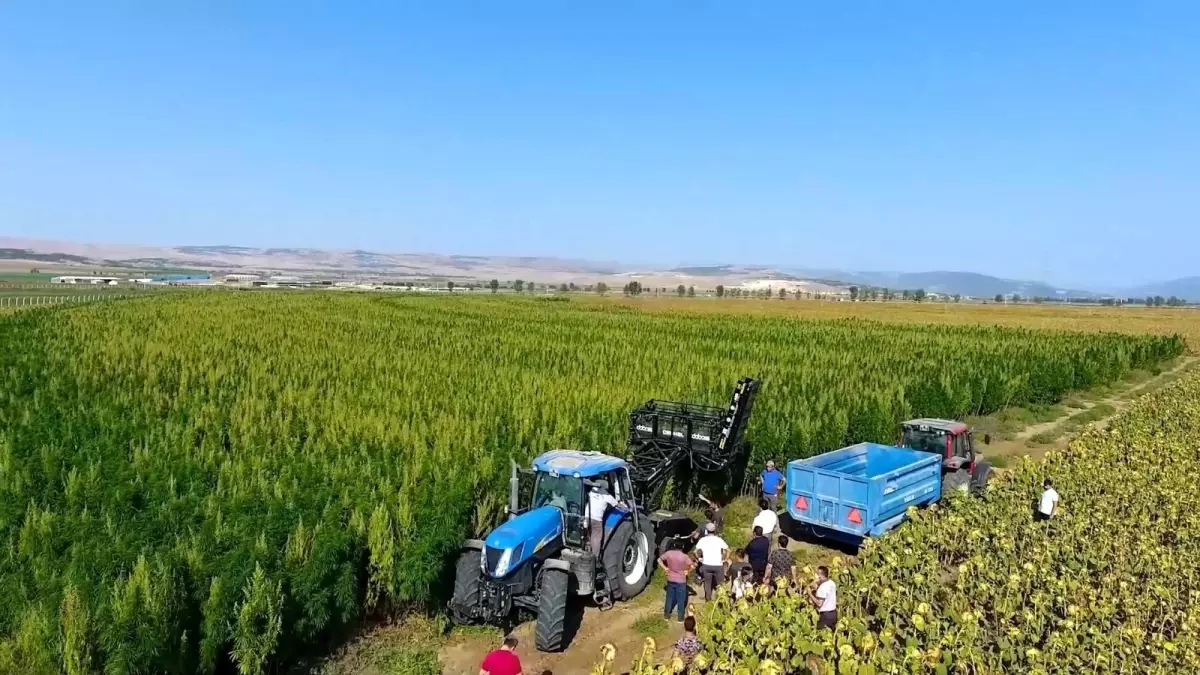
{"x":514,"y":490}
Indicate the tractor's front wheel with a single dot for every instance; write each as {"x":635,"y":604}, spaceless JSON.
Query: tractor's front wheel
{"x":467,"y":576}
{"x":553,"y":593}
{"x":979,"y":478}
{"x":956,"y":481}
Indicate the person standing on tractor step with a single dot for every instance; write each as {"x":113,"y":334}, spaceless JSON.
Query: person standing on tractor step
{"x":712,"y":552}
{"x":502,"y":661}
{"x":677,"y":565}
{"x":824,"y":597}
{"x":771,"y":482}
{"x":1048,"y":504}
{"x":598,"y":504}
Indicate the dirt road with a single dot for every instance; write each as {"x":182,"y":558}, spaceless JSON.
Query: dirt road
{"x":1035,"y":440}
{"x":462,"y":654}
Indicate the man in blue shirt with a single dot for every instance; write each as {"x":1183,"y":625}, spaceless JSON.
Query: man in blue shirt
{"x":771,"y":483}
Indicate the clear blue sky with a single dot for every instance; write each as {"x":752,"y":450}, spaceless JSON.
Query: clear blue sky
{"x":1049,"y":140}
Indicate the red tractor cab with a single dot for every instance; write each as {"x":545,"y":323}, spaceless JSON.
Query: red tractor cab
{"x":962,"y":467}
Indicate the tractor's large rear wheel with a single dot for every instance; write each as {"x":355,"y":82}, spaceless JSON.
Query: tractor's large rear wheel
{"x":553,"y":594}
{"x":467,"y":577}
{"x":627,"y":558}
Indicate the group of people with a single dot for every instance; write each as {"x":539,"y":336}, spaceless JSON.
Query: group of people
{"x":764,"y":560}
{"x":759,"y":562}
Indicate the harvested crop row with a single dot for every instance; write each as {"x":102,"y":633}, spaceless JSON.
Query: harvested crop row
{"x":207,"y":477}
{"x":1113,"y":585}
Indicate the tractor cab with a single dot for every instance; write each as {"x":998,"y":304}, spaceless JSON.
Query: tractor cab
{"x":563,"y":478}
{"x":953,"y":441}
{"x":955,"y":444}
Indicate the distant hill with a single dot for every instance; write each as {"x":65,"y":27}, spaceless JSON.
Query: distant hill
{"x":27,"y":254}
{"x":1187,"y":288}
{"x":984,"y":286}
{"x":964,"y":283}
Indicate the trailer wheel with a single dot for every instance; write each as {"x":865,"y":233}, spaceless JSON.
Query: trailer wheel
{"x":979,"y":479}
{"x":553,"y":592}
{"x":467,"y":576}
{"x":956,"y":481}
{"x":627,"y":558}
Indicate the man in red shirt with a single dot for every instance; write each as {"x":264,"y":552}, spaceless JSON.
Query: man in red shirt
{"x":677,"y":565}
{"x":502,"y":661}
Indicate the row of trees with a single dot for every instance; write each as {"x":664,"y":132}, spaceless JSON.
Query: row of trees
{"x":857,"y":294}
{"x":887,"y":294}
{"x":1159,"y":301}
{"x":520,"y":286}
{"x":1150,"y":301}
{"x":636,"y":288}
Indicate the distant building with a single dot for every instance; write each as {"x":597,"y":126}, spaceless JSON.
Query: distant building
{"x":241,"y":278}
{"x":109,"y":281}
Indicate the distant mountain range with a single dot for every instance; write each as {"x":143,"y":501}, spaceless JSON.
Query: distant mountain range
{"x":1187,"y":288}
{"x":16,"y":254}
{"x":964,"y":283}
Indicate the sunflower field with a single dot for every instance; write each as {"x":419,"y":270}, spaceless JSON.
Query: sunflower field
{"x":218,"y":481}
{"x":1111,"y":585}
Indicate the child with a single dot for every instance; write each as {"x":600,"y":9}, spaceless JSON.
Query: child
{"x":743,"y":582}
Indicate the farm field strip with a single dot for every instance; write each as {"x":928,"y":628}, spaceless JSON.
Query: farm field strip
{"x":205,"y":478}
{"x":1132,"y":319}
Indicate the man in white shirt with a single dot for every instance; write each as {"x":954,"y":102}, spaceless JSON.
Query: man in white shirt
{"x":1048,"y":504}
{"x":766,"y":519}
{"x":824,"y":597}
{"x":598,"y":504}
{"x":712,"y":553}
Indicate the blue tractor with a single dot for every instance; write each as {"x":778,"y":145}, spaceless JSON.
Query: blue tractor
{"x":540,"y":557}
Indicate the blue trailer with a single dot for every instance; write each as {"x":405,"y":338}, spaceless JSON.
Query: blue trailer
{"x":862,"y":490}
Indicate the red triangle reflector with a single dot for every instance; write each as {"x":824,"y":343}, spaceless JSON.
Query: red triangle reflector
{"x":801,"y":503}
{"x":854,"y":516}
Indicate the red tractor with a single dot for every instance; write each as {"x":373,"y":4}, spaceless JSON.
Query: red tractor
{"x":962,"y":467}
